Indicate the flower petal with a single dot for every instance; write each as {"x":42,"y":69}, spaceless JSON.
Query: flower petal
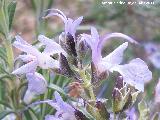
{"x":51,"y":46}
{"x":116,"y":56}
{"x":120,"y":35}
{"x":28,"y":97}
{"x":88,"y":39}
{"x":68,"y":26}
{"x":155,"y":59}
{"x":75,"y":24}
{"x":27,"y":68}
{"x":136,"y":73}
{"x":58,"y":98}
{"x":157,"y":92}
{"x":26,"y":48}
{"x":45,"y":61}
{"x":95,"y":35}
{"x":20,"y":40}
{"x":26,"y":58}
{"x":107,"y":37}
{"x":51,"y":117}
{"x":36,"y":83}
{"x":64,"y":106}
{"x":58,"y":12}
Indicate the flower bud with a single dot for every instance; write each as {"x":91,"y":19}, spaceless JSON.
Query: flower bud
{"x":117,"y":98}
{"x":97,"y":77}
{"x":122,"y":97}
{"x":79,"y":115}
{"x":100,"y":105}
{"x":82,"y":49}
{"x":64,"y":67}
{"x":119,"y":82}
{"x":68,"y":44}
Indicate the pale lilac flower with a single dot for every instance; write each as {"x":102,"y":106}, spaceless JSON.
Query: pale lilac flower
{"x":153,"y":54}
{"x":96,"y":42}
{"x":135,"y":73}
{"x":51,"y":47}
{"x":131,"y":114}
{"x":157,"y":92}
{"x":150,"y":48}
{"x":155,"y":59}
{"x":34,"y":58}
{"x":36,"y":85}
{"x":70,"y":24}
{"x":64,"y":110}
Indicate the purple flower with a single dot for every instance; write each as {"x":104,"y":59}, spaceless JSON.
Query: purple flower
{"x":51,"y":46}
{"x":153,"y":53}
{"x":36,"y":85}
{"x":135,"y":73}
{"x":70,"y":24}
{"x":155,"y":59}
{"x":64,"y":110}
{"x":131,"y":114}
{"x":33,"y":58}
{"x":96,"y":42}
{"x":150,"y":48}
{"x":157,"y":92}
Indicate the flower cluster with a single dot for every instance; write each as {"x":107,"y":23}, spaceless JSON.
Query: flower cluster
{"x":70,"y":50}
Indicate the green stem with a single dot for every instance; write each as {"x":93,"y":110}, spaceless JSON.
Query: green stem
{"x":89,"y":87}
{"x":19,"y":117}
{"x":91,"y":93}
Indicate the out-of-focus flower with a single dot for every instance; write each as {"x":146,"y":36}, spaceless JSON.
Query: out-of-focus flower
{"x":153,"y":54}
{"x":10,"y":117}
{"x":157,"y":92}
{"x":150,"y":48}
{"x":36,"y":85}
{"x":70,"y":24}
{"x":131,"y":114}
{"x":155,"y":59}
{"x":33,"y":58}
{"x":135,"y":73}
{"x":64,"y":110}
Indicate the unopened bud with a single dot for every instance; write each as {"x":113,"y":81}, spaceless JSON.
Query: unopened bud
{"x":96,"y":76}
{"x":68,"y":44}
{"x":102,"y":109}
{"x":79,"y":115}
{"x":64,"y":66}
{"x":116,"y":102}
{"x":119,"y":82}
{"x":82,"y":49}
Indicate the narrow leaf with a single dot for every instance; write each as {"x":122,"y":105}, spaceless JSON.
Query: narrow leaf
{"x":11,"y":11}
{"x":57,"y":88}
{"x":4,"y":114}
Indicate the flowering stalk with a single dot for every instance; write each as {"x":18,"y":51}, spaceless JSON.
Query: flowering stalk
{"x":65,"y":58}
{"x":87,"y":84}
